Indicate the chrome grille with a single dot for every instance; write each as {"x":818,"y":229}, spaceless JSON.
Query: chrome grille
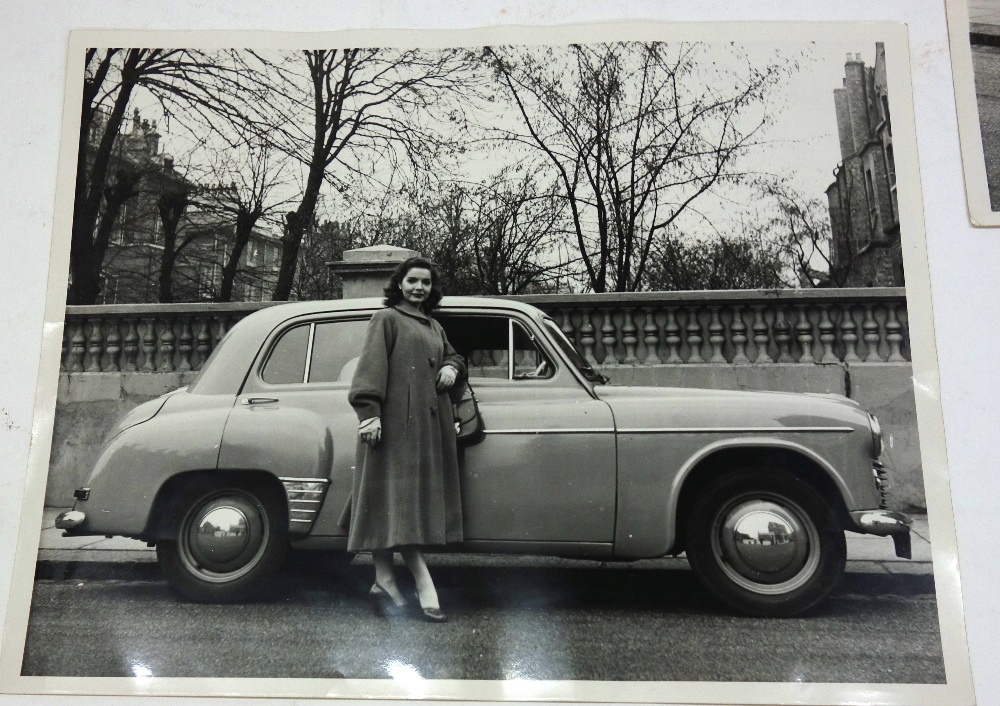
{"x":305,"y":495}
{"x":881,"y":474}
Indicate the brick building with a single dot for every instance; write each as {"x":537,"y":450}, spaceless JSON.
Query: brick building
{"x":131,"y":270}
{"x":864,"y":215}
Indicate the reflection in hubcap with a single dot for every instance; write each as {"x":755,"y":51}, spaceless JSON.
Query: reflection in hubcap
{"x":765,"y":546}
{"x":220,"y":536}
{"x":223,"y":537}
{"x":763,"y":539}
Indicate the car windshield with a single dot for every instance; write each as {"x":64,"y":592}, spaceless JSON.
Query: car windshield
{"x":574,"y":356}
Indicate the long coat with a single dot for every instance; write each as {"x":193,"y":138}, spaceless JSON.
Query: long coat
{"x":406,"y":489}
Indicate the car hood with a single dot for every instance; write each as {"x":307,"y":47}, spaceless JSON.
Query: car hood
{"x":683,"y":408}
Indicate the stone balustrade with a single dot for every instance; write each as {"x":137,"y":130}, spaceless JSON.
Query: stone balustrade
{"x":813,"y":326}
{"x":146,"y":338}
{"x":734,"y":327}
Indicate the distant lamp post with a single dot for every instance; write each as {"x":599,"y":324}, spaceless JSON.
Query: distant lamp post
{"x":365,"y":271}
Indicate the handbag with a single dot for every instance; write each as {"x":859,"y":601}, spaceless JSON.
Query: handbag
{"x":468,"y":421}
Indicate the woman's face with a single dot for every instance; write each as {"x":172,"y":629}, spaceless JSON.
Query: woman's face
{"x":416,"y":285}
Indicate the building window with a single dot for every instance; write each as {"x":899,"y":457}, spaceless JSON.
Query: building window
{"x":885,"y":113}
{"x":118,"y":234}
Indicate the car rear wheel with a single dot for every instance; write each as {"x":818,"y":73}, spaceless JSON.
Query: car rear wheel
{"x":765,"y":543}
{"x":227,"y":546}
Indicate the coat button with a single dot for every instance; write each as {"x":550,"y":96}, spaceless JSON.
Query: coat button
{"x":430,"y":362}
{"x":433,"y":411}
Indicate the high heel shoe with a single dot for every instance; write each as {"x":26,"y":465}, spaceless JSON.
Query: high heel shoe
{"x":434,"y":615}
{"x":384,"y":604}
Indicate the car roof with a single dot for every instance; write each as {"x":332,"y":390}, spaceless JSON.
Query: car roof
{"x":288,"y":310}
{"x":226,"y":370}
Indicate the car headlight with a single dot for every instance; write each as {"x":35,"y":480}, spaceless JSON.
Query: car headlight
{"x":876,"y":434}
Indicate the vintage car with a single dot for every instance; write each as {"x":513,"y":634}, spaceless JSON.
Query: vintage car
{"x":256,"y":455}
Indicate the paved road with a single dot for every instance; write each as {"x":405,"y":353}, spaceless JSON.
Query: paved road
{"x":507,"y":622}
{"x":986,"y":64}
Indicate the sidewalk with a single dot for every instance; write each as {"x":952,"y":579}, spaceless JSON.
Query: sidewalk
{"x":865,"y":553}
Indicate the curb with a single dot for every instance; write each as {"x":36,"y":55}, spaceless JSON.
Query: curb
{"x":147,"y":569}
{"x":984,"y":35}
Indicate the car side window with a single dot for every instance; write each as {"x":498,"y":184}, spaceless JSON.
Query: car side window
{"x":336,"y":348}
{"x":287,"y":360}
{"x":497,"y":347}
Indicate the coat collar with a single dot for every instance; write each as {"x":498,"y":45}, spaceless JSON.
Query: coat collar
{"x":423,"y":318}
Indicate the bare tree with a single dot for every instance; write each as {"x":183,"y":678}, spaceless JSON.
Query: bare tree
{"x":432,"y":218}
{"x":742,"y":262}
{"x":322,"y":243}
{"x":246,"y":194}
{"x":350,"y":113}
{"x":196,"y":84}
{"x":516,"y":226}
{"x":636,"y":133}
{"x":801,"y":227}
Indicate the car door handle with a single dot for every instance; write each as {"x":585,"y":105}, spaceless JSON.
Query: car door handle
{"x":259,"y":400}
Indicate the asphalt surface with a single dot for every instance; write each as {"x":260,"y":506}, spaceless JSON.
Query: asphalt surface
{"x":986,"y":66}
{"x":553,"y":623}
{"x":101,"y":607}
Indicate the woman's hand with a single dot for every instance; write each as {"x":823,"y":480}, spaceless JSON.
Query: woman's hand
{"x":446,"y":377}
{"x":370,"y":431}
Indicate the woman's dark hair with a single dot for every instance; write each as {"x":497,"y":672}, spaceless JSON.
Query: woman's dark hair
{"x":393,"y":293}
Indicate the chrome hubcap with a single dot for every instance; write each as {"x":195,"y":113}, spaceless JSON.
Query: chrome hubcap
{"x":223,"y":537}
{"x":765,"y":545}
{"x":219,"y":536}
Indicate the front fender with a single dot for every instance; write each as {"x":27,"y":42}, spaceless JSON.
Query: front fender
{"x":653,"y":470}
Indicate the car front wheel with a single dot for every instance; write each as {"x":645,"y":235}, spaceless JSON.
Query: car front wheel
{"x":765,"y":542}
{"x":227,"y":546}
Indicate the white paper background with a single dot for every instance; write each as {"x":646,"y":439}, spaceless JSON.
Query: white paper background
{"x":964,"y":262}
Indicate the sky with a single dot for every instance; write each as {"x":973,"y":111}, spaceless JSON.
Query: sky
{"x":811,"y":148}
{"x":802,"y":143}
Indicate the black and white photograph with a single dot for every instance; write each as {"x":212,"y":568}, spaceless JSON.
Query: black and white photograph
{"x":975,"y":37}
{"x":573,"y":364}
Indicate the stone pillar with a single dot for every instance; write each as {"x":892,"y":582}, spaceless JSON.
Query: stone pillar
{"x":366,"y":271}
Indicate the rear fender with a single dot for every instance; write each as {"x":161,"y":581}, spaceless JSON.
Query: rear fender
{"x":133,"y":465}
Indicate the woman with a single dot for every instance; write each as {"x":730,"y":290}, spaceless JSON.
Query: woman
{"x":406,"y":492}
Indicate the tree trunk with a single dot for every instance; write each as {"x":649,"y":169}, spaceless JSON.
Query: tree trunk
{"x":91,"y":177}
{"x":245,"y":222}
{"x":166,"y":295}
{"x":88,"y":289}
{"x":171,"y":206}
{"x":296,"y":223}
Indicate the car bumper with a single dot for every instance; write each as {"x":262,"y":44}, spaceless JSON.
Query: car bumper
{"x":886,"y":523}
{"x":73,"y":523}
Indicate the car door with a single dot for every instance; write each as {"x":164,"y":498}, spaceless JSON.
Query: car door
{"x":292,"y":417}
{"x":545,"y":471}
